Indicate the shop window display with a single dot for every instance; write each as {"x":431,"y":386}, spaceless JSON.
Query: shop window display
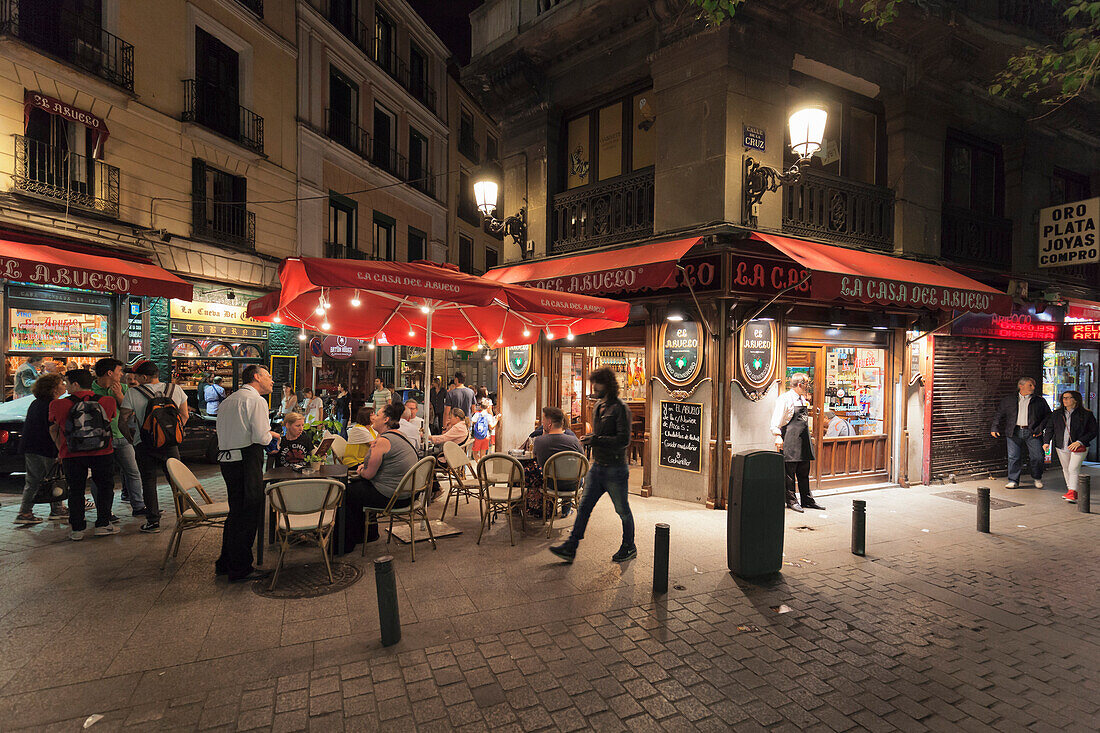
{"x":854,"y":391}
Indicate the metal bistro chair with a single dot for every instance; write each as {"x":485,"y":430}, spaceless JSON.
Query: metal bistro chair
{"x":339,"y":447}
{"x":305,"y":509}
{"x":191,"y":513}
{"x":415,"y":485}
{"x":562,"y":470}
{"x":500,"y":477}
{"x":461,"y":474}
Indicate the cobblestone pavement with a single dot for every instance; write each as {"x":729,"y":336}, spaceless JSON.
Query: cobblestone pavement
{"x":938,"y":628}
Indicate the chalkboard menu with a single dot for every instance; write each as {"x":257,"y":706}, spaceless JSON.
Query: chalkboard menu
{"x":680,"y":351}
{"x":682,"y":435}
{"x":756,"y":350}
{"x":283,"y":371}
{"x":518,"y":360}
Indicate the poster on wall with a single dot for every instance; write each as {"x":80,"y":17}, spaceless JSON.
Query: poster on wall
{"x":681,"y":354}
{"x":681,"y":439}
{"x":52,"y":331}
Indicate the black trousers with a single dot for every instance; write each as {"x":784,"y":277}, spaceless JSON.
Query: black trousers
{"x":149,"y":460}
{"x":798,"y":472}
{"x":244,"y":486}
{"x":362,"y":493}
{"x":103,"y":477}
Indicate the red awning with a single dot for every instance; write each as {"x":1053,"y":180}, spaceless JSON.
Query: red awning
{"x":642,"y":267}
{"x":839,"y":273}
{"x":43,"y":265}
{"x":1083,"y":310}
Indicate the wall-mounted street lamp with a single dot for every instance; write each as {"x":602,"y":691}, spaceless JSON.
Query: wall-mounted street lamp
{"x":807,"y":126}
{"x":486,"y":188}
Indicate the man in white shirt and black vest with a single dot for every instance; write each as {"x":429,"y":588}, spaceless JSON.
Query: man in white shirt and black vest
{"x":1022,"y":418}
{"x":244,"y":430}
{"x":791,"y":427}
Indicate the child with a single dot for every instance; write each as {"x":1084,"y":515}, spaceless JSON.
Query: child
{"x":480,"y":426}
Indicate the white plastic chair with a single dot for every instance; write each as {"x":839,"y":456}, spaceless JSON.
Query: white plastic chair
{"x":500,"y":477}
{"x":415,"y":485}
{"x":561,"y":471}
{"x":191,"y":512}
{"x":305,"y":510}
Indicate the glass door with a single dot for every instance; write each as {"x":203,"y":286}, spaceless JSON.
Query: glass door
{"x":805,"y":360}
{"x":572,"y":388}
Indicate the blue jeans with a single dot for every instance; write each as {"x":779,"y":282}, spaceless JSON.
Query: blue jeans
{"x":1017,"y":442}
{"x":612,"y":480}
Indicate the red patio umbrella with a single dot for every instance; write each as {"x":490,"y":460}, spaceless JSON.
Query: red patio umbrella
{"x":416,"y":303}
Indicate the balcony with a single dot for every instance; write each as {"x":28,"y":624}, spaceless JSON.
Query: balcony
{"x":389,"y":160}
{"x":467,"y":210}
{"x":421,"y":178}
{"x":976,"y":239}
{"x":225,"y":223}
{"x":340,"y":128}
{"x":210,"y":106}
{"x":1042,"y":18}
{"x":839,"y":209}
{"x":64,"y":178}
{"x":418,"y":86}
{"x":349,"y":25}
{"x":613,"y":211}
{"x":343,"y":252}
{"x":73,"y":40}
{"x":256,"y":6}
{"x":469,"y":148}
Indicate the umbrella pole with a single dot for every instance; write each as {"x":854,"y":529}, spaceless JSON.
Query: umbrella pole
{"x":428,"y":381}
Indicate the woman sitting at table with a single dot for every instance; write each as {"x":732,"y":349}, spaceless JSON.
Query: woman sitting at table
{"x":391,"y":456}
{"x":360,"y":435}
{"x":295,"y":444}
{"x":455,"y":430}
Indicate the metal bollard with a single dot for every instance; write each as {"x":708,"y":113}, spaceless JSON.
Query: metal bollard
{"x":983,"y":509}
{"x":388,"y":616}
{"x":859,"y":527}
{"x":1084,"y":500}
{"x":660,"y":559}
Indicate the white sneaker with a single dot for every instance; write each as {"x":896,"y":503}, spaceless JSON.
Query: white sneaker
{"x":1038,"y":483}
{"x":76,"y":536}
{"x":1011,"y":485}
{"x":104,"y":531}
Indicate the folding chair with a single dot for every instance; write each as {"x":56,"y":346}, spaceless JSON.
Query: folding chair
{"x":191,"y":512}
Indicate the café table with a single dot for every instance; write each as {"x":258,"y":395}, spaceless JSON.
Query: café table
{"x":274,"y":475}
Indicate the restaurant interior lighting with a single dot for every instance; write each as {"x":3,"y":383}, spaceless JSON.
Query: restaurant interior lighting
{"x":355,"y":302}
{"x":836,"y":318}
{"x":676,"y":313}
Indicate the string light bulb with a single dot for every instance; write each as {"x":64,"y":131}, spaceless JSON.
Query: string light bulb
{"x":412,"y":333}
{"x":277,"y":318}
{"x":549,"y":335}
{"x":424,"y":308}
{"x":486,"y":356}
{"x":370,"y":345}
{"x":569,"y":336}
{"x":526,"y":332}
{"x":326,"y":326}
{"x":327,"y":305}
{"x":453,"y":346}
{"x":355,"y":302}
{"x":302,"y":335}
{"x":320,"y":309}
{"x":500,"y":340}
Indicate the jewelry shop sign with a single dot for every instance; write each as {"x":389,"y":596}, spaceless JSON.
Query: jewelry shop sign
{"x":1067,"y":234}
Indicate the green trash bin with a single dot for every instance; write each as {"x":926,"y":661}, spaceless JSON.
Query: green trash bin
{"x":754,"y":514}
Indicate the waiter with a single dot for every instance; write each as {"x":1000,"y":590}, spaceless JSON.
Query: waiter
{"x":791,"y":428}
{"x":244,"y":429}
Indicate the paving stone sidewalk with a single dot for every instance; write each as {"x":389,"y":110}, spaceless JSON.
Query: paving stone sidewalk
{"x":939,"y":628}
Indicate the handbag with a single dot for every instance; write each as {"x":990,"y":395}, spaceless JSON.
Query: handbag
{"x":54,"y":487}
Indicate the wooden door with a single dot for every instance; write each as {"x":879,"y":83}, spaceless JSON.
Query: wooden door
{"x":806,"y":360}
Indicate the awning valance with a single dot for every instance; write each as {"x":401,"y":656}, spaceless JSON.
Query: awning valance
{"x":627,"y":270}
{"x":839,"y":273}
{"x":45,"y":265}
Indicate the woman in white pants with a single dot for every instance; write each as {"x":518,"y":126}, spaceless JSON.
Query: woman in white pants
{"x":1070,"y":429}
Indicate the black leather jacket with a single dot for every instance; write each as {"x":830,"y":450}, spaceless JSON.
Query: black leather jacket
{"x":610,"y":433}
{"x":1004,"y":420}
{"x":1082,"y":427}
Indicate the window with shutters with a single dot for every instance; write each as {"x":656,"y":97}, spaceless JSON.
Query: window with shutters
{"x":383,"y":237}
{"x":417,"y":240}
{"x":465,"y":254}
{"x":219,"y":211}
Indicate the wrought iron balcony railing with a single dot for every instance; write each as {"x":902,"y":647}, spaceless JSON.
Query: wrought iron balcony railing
{"x":228,"y":223}
{"x":469,"y":147}
{"x":72,"y":39}
{"x":256,"y":6}
{"x":208,"y":105}
{"x":421,"y":178}
{"x":343,"y":252}
{"x":65,"y":178}
{"x":976,"y":239}
{"x":348,"y":23}
{"x":353,"y":137}
{"x":604,"y":213}
{"x":839,"y":209}
{"x":389,"y":160}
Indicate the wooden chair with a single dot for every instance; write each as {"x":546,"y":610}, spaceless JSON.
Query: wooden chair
{"x":305,"y":510}
{"x":562,"y":471}
{"x":459,"y":466}
{"x":415,"y":485}
{"x":191,"y":512}
{"x":500,"y":477}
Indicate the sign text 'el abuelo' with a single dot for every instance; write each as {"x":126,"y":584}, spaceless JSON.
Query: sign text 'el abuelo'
{"x":682,"y":435}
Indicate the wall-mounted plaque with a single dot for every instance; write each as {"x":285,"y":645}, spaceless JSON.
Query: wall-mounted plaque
{"x":681,"y":352}
{"x":756,"y":352}
{"x":681,"y":437}
{"x":518,"y":360}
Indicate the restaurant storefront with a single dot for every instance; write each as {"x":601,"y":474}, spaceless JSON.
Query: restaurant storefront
{"x":209,"y":340}
{"x":72,"y":308}
{"x":718,"y":326}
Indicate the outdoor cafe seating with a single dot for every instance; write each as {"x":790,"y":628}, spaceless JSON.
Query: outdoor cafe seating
{"x":305,"y":512}
{"x":415,"y":486}
{"x":192,"y":512}
{"x":563,"y":476}
{"x":461,"y":475}
{"x":501,"y":481}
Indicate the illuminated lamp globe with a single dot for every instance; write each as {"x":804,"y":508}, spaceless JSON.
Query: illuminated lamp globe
{"x":485,"y":194}
{"x":807,"y":127}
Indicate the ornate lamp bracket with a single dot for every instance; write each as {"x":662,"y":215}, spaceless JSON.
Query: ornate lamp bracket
{"x":514,"y":226}
{"x":760,"y":179}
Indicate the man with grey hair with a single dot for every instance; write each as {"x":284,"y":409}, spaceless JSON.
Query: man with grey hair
{"x":790,"y":425}
{"x":1021,"y":418}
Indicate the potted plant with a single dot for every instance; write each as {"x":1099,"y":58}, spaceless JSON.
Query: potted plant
{"x":316,"y":430}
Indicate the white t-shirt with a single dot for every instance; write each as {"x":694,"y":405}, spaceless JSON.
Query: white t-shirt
{"x":413,"y":429}
{"x":315,"y":408}
{"x":136,"y":401}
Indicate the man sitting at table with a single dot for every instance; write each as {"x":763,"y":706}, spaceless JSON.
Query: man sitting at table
{"x":556,"y":439}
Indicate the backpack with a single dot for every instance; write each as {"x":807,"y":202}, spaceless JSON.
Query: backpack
{"x":87,"y":427}
{"x":480,"y":426}
{"x":163,"y":423}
